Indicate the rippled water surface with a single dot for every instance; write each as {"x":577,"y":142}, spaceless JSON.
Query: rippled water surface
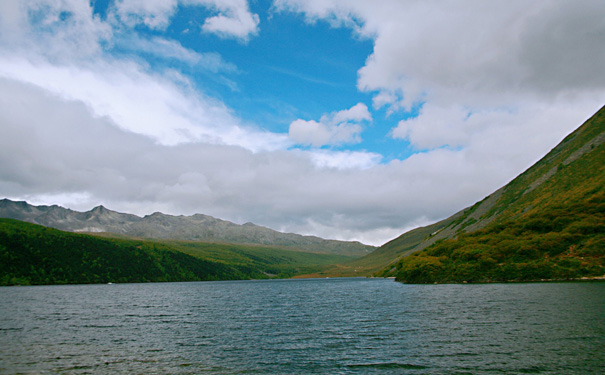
{"x":328,"y":326}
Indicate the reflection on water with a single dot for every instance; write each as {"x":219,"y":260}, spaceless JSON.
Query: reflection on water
{"x":336,"y":326}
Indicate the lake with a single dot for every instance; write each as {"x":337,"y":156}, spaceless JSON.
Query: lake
{"x":312,"y":326}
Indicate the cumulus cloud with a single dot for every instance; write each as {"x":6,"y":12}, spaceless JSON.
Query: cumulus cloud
{"x":154,"y":14}
{"x":332,"y":129}
{"x":233,"y":21}
{"x":476,"y":68}
{"x":319,"y":134}
{"x":455,"y":126}
{"x":472,"y":51}
{"x":233,"y":18}
{"x":61,"y":31}
{"x":359,"y":112}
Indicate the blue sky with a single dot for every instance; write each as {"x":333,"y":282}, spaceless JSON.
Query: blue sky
{"x":345,"y":119}
{"x":290,"y":69}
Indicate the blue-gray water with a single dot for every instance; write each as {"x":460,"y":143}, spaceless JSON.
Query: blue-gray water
{"x":330,"y":326}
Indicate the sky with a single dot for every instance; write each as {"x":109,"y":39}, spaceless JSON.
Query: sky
{"x":345,"y":119}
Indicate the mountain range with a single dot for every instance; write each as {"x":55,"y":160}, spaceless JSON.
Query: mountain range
{"x":197,"y":227}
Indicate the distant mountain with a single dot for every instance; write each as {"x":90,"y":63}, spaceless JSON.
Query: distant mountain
{"x":32,"y":254}
{"x":161,"y":226}
{"x":548,"y":223}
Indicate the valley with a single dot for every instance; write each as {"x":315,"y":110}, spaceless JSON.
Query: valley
{"x":546,"y":224}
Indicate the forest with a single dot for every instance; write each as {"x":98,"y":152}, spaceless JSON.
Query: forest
{"x":32,"y":254}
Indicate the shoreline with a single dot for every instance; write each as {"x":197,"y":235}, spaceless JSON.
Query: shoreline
{"x":581,"y":279}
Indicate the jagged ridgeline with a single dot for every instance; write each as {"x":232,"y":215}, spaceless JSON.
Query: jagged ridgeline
{"x":548,"y":223}
{"x":197,"y":227}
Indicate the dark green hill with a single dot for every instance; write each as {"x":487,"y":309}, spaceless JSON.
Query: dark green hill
{"x":33,"y":254}
{"x":548,"y":223}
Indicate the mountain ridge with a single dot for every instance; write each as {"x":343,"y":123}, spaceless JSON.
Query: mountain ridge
{"x":548,"y":222}
{"x":197,"y":227}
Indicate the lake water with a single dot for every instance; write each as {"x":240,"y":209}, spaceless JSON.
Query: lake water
{"x":322,"y":326}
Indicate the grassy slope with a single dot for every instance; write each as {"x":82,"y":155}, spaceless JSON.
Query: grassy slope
{"x":384,"y":255}
{"x":549,"y":223}
{"x":271,"y":260}
{"x":33,"y":254}
{"x":274,"y":260}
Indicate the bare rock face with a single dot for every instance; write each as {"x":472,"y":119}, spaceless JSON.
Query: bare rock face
{"x":197,"y":227}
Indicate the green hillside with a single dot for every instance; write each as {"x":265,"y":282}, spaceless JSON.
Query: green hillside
{"x":375,"y":262}
{"x":33,"y":254}
{"x":548,"y":223}
{"x":272,"y":261}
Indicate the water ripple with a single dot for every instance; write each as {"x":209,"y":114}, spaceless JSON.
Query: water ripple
{"x":336,"y":326}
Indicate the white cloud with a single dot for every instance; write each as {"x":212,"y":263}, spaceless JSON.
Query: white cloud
{"x":12,"y":18}
{"x":437,"y":126}
{"x":168,"y":111}
{"x":162,"y":105}
{"x":62,"y":31}
{"x":343,"y":127}
{"x":154,"y":14}
{"x":359,"y":112}
{"x":234,"y":19}
{"x":472,"y":52}
{"x":310,"y":132}
{"x":319,"y":134}
{"x":355,"y":160}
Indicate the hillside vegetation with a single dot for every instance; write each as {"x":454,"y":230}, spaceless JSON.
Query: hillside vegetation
{"x":548,"y":223}
{"x":33,"y":254}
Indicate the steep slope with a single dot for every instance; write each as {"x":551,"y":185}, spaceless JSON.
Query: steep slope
{"x":549,"y":223}
{"x":161,"y":226}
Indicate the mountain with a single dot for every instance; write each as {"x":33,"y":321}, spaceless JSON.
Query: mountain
{"x":161,"y":226}
{"x":548,"y":223}
{"x":34,"y":254}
